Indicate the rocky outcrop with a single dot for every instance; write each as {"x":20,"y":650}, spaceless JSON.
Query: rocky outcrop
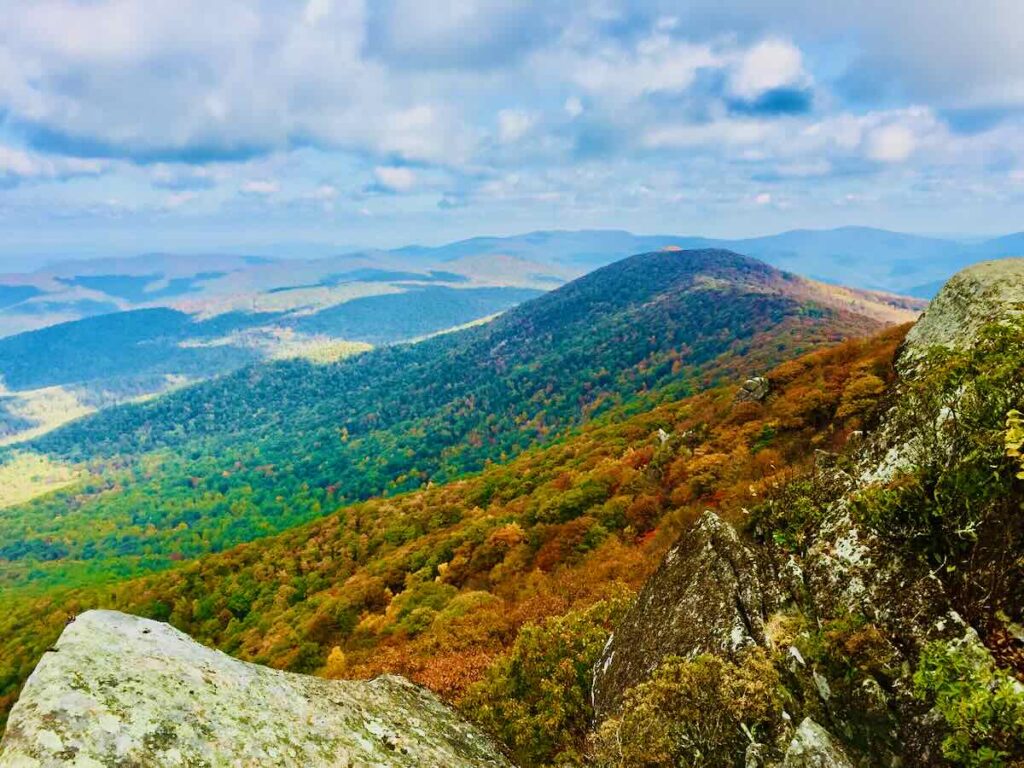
{"x":120,"y":690}
{"x":714,"y":592}
{"x":982,"y":293}
{"x":755,"y":390}
{"x":814,"y":747}
{"x":706,"y":597}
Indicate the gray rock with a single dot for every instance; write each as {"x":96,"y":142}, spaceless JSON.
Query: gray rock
{"x":755,"y":389}
{"x":814,"y":747}
{"x":706,"y":597}
{"x":120,"y":690}
{"x":992,"y":291}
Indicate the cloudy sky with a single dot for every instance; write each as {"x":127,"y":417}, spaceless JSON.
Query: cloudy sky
{"x":135,"y":125}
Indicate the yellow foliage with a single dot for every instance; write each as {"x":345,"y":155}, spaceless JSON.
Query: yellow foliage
{"x":1015,"y":438}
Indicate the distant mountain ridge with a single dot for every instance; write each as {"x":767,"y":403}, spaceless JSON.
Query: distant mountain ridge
{"x":861,"y":257}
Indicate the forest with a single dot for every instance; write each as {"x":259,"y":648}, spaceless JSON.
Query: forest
{"x":270,"y":447}
{"x":439,"y":583}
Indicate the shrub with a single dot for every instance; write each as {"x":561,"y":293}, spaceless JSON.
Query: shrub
{"x":699,"y":713}
{"x":982,"y":706}
{"x":536,"y":698}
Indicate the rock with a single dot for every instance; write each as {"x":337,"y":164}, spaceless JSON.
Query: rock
{"x":706,"y":597}
{"x":982,"y":293}
{"x":814,"y":747}
{"x":120,"y":690}
{"x":755,"y":389}
{"x":756,"y":756}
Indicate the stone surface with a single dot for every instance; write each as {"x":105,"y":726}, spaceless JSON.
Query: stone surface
{"x":120,"y":690}
{"x":755,"y":389}
{"x":814,"y":747}
{"x":706,"y":597}
{"x":982,"y":293}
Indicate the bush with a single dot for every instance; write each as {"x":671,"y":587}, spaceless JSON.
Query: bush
{"x":956,"y":425}
{"x":982,"y":706}
{"x":536,"y":699}
{"x":699,"y":713}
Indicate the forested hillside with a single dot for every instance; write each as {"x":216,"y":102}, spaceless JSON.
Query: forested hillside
{"x":273,"y":446}
{"x":112,"y":358}
{"x":437,"y":583}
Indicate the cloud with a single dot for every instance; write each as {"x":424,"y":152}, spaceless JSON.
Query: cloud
{"x":767,"y":67}
{"x":891,"y":143}
{"x":261,"y":187}
{"x":500,"y":111}
{"x":178,"y":199}
{"x":457,"y":34}
{"x":18,"y":165}
{"x":395,"y":178}
{"x":179,"y":177}
{"x":513,"y":124}
{"x":657,"y":64}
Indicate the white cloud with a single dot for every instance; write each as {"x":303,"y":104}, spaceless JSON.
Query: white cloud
{"x":573,"y":106}
{"x":20,"y":164}
{"x":178,"y":199}
{"x":513,"y":124}
{"x":767,"y":66}
{"x":260,"y":187}
{"x":890,"y":143}
{"x":657,"y":64}
{"x":722,"y":133}
{"x":324,"y":192}
{"x":316,"y":11}
{"x":395,"y":178}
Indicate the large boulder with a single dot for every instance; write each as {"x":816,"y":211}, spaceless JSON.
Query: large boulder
{"x":992,"y":291}
{"x":706,"y":597}
{"x":120,"y":690}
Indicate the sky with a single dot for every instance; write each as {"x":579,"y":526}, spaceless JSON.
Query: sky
{"x":129,"y":126}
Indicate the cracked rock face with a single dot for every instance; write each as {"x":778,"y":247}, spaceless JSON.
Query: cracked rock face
{"x":706,"y":597}
{"x":120,"y":690}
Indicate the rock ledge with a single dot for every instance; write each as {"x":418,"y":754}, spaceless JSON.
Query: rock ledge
{"x":120,"y":690}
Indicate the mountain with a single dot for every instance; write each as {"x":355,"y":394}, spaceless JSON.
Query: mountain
{"x":56,"y":373}
{"x":327,"y":307}
{"x":930,"y":498}
{"x":436,"y":583}
{"x":863,"y":257}
{"x":274,"y":445}
{"x":771,"y":571}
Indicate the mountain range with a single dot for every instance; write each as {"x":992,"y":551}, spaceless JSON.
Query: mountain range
{"x":685,"y":489}
{"x":124,"y":328}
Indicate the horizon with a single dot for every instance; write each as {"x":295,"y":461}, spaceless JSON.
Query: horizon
{"x":14,"y":264}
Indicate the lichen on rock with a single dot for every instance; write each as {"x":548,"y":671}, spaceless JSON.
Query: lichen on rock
{"x":707,"y":597}
{"x":121,"y":690}
{"x":992,"y":291}
{"x":814,"y":747}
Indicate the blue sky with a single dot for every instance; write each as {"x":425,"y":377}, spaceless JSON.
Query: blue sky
{"x":138,"y":125}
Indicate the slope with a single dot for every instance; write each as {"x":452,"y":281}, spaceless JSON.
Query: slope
{"x":436,"y":583}
{"x":272,"y":446}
